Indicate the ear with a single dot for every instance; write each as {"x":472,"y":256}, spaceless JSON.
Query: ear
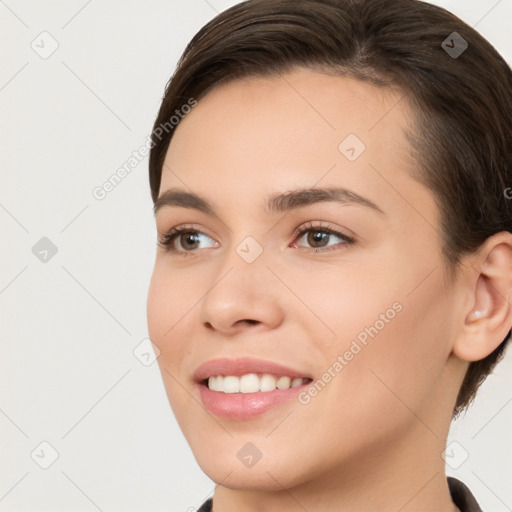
{"x":488,"y":318}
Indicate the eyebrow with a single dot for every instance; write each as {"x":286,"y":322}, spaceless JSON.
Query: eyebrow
{"x":277,"y":202}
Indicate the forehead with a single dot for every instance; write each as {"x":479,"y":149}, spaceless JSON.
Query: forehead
{"x":300,"y":128}
{"x":295,"y":114}
{"x":325,"y":101}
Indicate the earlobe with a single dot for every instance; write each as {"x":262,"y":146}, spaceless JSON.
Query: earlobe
{"x":488,"y":322}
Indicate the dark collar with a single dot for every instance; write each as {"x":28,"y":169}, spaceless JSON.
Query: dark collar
{"x":460,"y":494}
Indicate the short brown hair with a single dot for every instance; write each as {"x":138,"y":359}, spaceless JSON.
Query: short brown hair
{"x":462,"y":103}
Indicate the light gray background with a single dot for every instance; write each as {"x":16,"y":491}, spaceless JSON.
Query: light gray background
{"x":68,"y":375}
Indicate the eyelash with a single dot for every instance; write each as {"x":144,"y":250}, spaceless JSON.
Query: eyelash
{"x":168,"y":238}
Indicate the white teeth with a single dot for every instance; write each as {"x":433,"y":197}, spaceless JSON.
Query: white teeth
{"x":296,"y":382}
{"x":252,"y":383}
{"x":231,"y":384}
{"x":284,"y":382}
{"x":249,"y":383}
{"x":267,"y":382}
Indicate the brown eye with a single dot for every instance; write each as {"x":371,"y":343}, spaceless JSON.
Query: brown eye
{"x":188,"y":239}
{"x":318,"y":238}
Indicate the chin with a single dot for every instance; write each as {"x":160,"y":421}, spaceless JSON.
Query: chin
{"x":248,"y":479}
{"x":272,"y":474}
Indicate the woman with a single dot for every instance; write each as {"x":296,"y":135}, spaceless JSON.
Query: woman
{"x":333,"y":279}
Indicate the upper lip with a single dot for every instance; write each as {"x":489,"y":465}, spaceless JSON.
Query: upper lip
{"x":241,"y":366}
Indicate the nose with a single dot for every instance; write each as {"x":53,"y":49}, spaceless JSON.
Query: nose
{"x":244,"y":296}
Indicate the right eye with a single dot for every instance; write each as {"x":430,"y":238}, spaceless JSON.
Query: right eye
{"x":188,"y":239}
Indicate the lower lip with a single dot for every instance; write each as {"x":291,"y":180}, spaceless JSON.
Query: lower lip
{"x":242,"y":406}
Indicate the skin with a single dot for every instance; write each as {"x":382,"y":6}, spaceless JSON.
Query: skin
{"x":372,"y":438}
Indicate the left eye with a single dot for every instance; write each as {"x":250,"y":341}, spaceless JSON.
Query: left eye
{"x":318,"y":237}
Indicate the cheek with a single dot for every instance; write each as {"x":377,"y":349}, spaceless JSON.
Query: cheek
{"x":342,"y":302}
{"x":169,"y":308}
{"x":174,"y":299}
{"x":166,"y":315}
{"x":169,"y":300}
{"x":159,"y":303}
{"x":392,"y":336}
{"x":402,"y":364}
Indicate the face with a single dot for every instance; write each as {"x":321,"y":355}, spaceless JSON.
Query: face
{"x":345,"y":290}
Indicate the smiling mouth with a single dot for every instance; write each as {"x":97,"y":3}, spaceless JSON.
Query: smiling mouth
{"x":253,"y":383}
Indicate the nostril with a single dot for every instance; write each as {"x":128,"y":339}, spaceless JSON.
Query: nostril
{"x":252,"y":322}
